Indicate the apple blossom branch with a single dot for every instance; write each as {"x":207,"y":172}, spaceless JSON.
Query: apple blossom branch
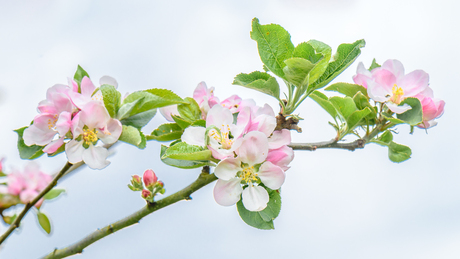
{"x":204,"y":179}
{"x":67,"y":168}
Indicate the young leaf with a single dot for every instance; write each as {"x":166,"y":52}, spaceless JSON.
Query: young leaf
{"x":306,"y":51}
{"x":398,"y":153}
{"x":386,"y":137}
{"x":184,"y":164}
{"x":274,"y":45}
{"x":190,"y":110}
{"x":413,"y":116}
{"x":344,"y":105}
{"x":297,"y":71}
{"x":166,"y":132}
{"x":347,"y":89}
{"x":134,"y":136}
{"x":184,"y":151}
{"x":53,"y":193}
{"x":27,"y":152}
{"x":374,"y":65}
{"x":346,"y":54}
{"x":355,"y":118}
{"x":183,"y":123}
{"x":79,"y":74}
{"x":322,"y":64}
{"x":139,"y":120}
{"x":324,"y":102}
{"x":112,"y":99}
{"x":44,"y":222}
{"x":259,"y":81}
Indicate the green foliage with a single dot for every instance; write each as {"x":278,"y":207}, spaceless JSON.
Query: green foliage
{"x":274,"y":45}
{"x":166,"y":132}
{"x":112,"y":99}
{"x":262,"y":219}
{"x":181,"y":122}
{"x":413,"y":116}
{"x":184,"y":164}
{"x":398,"y":153}
{"x":189,"y":110}
{"x":27,"y":152}
{"x":133,"y":136}
{"x":53,"y":193}
{"x":386,"y":137}
{"x":184,"y":151}
{"x":347,"y":89}
{"x":324,"y":102}
{"x":297,"y":71}
{"x":345,"y":56}
{"x":44,"y":222}
{"x":79,"y":74}
{"x":374,"y":65}
{"x":355,"y":118}
{"x":321,"y":65}
{"x":345,"y":106}
{"x":259,"y":81}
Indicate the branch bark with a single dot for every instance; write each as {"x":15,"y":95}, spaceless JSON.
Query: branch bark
{"x":204,"y":179}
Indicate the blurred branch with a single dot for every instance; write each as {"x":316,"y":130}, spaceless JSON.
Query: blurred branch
{"x":67,"y":168}
{"x":184,"y":194}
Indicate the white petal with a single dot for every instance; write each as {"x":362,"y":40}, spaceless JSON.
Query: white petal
{"x":398,"y":108}
{"x":228,"y":168}
{"x":96,"y":157}
{"x":111,"y":133}
{"x":271,"y":175}
{"x":227,"y":193}
{"x":377,"y":93}
{"x":255,"y":198}
{"x":74,"y":150}
{"x":194,"y":136}
{"x":108,"y":80}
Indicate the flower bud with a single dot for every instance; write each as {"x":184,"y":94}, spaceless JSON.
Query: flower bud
{"x":146,"y":194}
{"x":161,"y":183}
{"x":149,"y":178}
{"x":137,"y":179}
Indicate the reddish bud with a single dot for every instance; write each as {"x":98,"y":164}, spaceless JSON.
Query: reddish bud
{"x":161,"y":183}
{"x":146,"y":194}
{"x":137,"y":178}
{"x":149,"y":178}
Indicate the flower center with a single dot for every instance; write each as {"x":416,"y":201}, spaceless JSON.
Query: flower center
{"x":398,"y":94}
{"x":224,"y":138}
{"x":89,"y":136}
{"x":52,"y":122}
{"x":248,"y":175}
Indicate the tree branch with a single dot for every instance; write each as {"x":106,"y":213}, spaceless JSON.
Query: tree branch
{"x":67,"y":168}
{"x":184,"y":194}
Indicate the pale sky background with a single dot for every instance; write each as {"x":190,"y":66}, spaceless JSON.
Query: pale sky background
{"x":336,"y":203}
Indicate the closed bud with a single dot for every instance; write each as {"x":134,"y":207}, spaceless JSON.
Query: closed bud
{"x":161,"y":183}
{"x":149,"y":178}
{"x":146,"y":194}
{"x":137,"y":179}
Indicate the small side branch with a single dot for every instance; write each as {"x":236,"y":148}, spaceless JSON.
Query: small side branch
{"x":204,"y":179}
{"x":359,"y":143}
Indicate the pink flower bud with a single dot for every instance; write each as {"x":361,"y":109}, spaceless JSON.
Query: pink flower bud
{"x":146,"y":194}
{"x":136,"y":178}
{"x":161,"y":183}
{"x":149,"y":178}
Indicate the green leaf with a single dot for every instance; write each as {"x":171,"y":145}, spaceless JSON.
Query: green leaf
{"x":27,"y":152}
{"x":184,"y":151}
{"x":259,"y":81}
{"x":347,"y":89}
{"x":190,"y":110}
{"x":262,"y":219}
{"x":413,"y":116}
{"x":53,"y":193}
{"x":321,"y":65}
{"x":166,"y":132}
{"x":149,"y":99}
{"x":355,"y":118}
{"x":139,"y":120}
{"x":79,"y":74}
{"x":199,"y":123}
{"x":165,"y":97}
{"x":324,"y":102}
{"x":274,"y":45}
{"x":306,"y":51}
{"x":393,"y":120}
{"x":112,"y":99}
{"x":398,"y":153}
{"x":134,"y":136}
{"x":361,"y":101}
{"x":9,"y":219}
{"x":184,"y":164}
{"x":297,"y":71}
{"x":44,"y":222}
{"x":345,"y":56}
{"x":386,"y":137}
{"x":181,"y":121}
{"x":344,"y":105}
{"x":374,"y":65}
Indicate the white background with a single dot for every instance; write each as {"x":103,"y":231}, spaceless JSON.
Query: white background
{"x":336,"y":203}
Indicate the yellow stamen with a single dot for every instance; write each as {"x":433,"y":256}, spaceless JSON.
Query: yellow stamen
{"x":248,"y":174}
{"x":89,"y":136}
{"x":398,"y":94}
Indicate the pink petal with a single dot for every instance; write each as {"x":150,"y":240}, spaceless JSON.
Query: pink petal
{"x":96,"y":157}
{"x":94,"y":115}
{"x":281,"y":157}
{"x":54,"y":145}
{"x":255,"y":198}
{"x":254,"y":148}
{"x":414,"y":82}
{"x":279,"y":138}
{"x":378,"y":93}
{"x":219,"y":117}
{"x":227,"y":169}
{"x":111,"y":132}
{"x":227,"y":193}
{"x":168,"y":111}
{"x":362,"y":75}
{"x":63,"y":123}
{"x":271,"y":175}
{"x":27,"y":196}
{"x":87,"y":87}
{"x":200,"y":92}
{"x":395,"y":67}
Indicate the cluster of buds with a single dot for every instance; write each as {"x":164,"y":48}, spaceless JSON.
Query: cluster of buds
{"x":149,"y":187}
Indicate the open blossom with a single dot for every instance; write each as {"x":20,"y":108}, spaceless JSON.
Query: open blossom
{"x":241,"y":175}
{"x":87,"y":88}
{"x":91,"y":124}
{"x":389,"y":84}
{"x":27,"y":184}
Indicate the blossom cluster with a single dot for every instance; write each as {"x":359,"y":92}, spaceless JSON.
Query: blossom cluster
{"x":390,"y":85}
{"x":150,"y":187}
{"x":241,"y":137}
{"x":75,"y":116}
{"x":25,"y":185}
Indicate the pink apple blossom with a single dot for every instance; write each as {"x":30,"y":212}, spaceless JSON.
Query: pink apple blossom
{"x":432,"y":108}
{"x":205,"y":98}
{"x":241,"y":175}
{"x":149,"y":177}
{"x":362,"y":75}
{"x":87,"y":90}
{"x":92,"y":123}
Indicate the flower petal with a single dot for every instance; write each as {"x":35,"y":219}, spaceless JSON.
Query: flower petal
{"x":254,"y":148}
{"x":279,"y":138}
{"x":54,"y":145}
{"x":398,"y":108}
{"x":96,"y":157}
{"x":227,"y":193}
{"x":194,"y":136}
{"x":255,"y":198}
{"x":271,"y":175}
{"x":74,"y":150}
{"x":111,"y":132}
{"x":108,"y":80}
{"x":227,"y":169}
